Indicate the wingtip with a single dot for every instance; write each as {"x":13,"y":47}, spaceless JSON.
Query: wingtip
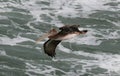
{"x":50,"y":54}
{"x":50,"y":46}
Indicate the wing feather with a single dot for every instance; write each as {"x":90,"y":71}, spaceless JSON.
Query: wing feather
{"x":50,"y":46}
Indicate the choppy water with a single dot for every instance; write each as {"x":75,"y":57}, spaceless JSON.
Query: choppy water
{"x":95,"y":54}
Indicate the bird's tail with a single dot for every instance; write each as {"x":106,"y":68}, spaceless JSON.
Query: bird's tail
{"x":43,"y":37}
{"x":50,"y":33}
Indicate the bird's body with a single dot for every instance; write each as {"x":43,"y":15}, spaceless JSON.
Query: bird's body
{"x":55,"y":37}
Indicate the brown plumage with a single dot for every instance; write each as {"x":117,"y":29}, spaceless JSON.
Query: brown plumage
{"x":55,"y":37}
{"x":50,"y":46}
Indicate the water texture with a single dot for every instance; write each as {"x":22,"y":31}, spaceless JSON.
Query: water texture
{"x":95,"y":54}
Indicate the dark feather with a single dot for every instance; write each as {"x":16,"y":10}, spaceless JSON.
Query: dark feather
{"x":69,"y":29}
{"x":50,"y":46}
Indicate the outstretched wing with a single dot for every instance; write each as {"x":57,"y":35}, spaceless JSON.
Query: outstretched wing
{"x":50,"y":46}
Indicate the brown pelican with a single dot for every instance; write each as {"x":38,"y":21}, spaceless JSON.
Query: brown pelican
{"x":66,"y":32}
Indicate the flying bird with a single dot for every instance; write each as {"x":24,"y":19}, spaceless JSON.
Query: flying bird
{"x":66,"y":32}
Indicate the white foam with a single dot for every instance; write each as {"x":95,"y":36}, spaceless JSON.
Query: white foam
{"x":73,"y":7}
{"x":3,"y":17}
{"x":40,"y":69}
{"x":108,"y":61}
{"x":65,"y":49}
{"x":34,"y":9}
{"x":14,"y":41}
{"x":8,"y":67}
{"x":65,"y":8}
{"x":113,"y":35}
{"x":91,"y":40}
{"x":111,"y":62}
{"x":2,"y":52}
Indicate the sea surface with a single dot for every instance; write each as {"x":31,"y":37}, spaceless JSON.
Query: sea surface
{"x":96,"y":53}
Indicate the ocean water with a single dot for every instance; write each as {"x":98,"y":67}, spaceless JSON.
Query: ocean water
{"x":96,"y":53}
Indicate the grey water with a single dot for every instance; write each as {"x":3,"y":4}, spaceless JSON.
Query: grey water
{"x":96,"y":53}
